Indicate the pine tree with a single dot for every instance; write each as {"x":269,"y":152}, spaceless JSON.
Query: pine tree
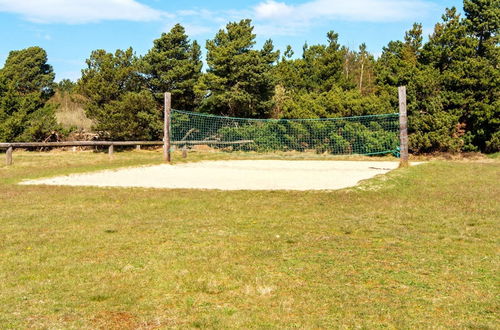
{"x":431,"y":127}
{"x":483,"y":113}
{"x":174,"y":65}
{"x":26,"y":84}
{"x":464,"y":52}
{"x":483,"y":21}
{"x":321,"y":66}
{"x":117,"y":100}
{"x":238,"y":80}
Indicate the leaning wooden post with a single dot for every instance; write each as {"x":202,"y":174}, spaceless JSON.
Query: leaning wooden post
{"x":8,"y":156}
{"x":166,"y":129}
{"x":403,"y":127}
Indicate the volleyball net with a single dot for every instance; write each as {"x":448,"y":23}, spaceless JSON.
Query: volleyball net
{"x":363,"y":135}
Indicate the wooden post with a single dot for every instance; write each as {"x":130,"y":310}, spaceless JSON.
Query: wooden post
{"x":403,"y":127}
{"x":8,"y":156}
{"x":111,"y":150}
{"x":184,"y":152}
{"x":138,"y":147}
{"x":166,"y":129}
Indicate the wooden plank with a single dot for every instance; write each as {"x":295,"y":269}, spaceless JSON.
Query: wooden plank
{"x":116,"y":143}
{"x":403,"y":127}
{"x":8,"y":156}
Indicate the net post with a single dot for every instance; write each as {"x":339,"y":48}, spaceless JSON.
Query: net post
{"x":166,"y":129}
{"x":403,"y":127}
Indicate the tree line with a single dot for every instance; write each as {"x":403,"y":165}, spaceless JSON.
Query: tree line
{"x":452,"y":81}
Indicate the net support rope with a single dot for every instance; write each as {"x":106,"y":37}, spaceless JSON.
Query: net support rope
{"x":363,"y":135}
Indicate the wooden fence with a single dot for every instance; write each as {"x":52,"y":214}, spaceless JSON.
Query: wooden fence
{"x":110,"y":144}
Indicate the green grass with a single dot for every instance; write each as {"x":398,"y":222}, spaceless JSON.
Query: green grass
{"x":495,"y":155}
{"x":415,"y":248}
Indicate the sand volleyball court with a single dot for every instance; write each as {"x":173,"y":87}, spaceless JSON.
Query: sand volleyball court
{"x":232,"y":175}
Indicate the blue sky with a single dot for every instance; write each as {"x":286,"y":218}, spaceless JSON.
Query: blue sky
{"x":70,"y":29}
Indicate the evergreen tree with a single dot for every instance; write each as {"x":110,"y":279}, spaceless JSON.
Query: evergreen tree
{"x":321,"y":66}
{"x":483,"y":22}
{"x":431,"y":128}
{"x":467,"y":58}
{"x":483,"y":115}
{"x":26,"y":84}
{"x":117,"y":101}
{"x":65,"y":86}
{"x":329,"y":63}
{"x":290,"y":73}
{"x":174,"y":65}
{"x":238,"y":80}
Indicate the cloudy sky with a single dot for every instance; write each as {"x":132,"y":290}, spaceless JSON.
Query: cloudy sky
{"x":70,"y":29}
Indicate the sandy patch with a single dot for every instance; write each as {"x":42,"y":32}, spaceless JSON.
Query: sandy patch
{"x":233,"y":175}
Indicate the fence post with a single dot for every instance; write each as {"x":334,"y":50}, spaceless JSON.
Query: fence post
{"x":166,"y":129}
{"x":403,"y":127}
{"x":8,"y":156}
{"x":111,"y":150}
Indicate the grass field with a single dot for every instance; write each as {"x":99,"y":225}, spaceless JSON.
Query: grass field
{"x":415,"y":248}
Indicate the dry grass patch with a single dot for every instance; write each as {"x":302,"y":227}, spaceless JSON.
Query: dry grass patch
{"x":421,"y":251}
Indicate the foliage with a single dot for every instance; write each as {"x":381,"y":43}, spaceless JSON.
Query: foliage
{"x":453,"y":80}
{"x":116,"y":101}
{"x":173,"y":65}
{"x":124,"y":94}
{"x":26,"y":84}
{"x":66,"y":86}
{"x":334,"y":103}
{"x":238,"y":80}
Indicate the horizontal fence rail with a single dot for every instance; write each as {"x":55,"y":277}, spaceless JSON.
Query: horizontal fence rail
{"x":110,"y":144}
{"x":7,"y":145}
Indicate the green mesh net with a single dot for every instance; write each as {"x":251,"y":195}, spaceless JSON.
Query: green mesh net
{"x":364,"y":135}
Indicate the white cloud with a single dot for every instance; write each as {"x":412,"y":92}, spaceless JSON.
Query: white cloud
{"x":279,"y":18}
{"x":80,"y":11}
{"x":198,"y":22}
{"x":272,"y":9}
{"x":351,"y":10}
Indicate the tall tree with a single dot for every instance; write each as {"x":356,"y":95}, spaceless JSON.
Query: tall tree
{"x":331,"y":63}
{"x":117,"y":100}
{"x":483,"y":21}
{"x":238,"y":80}
{"x":483,"y":114}
{"x":463,"y":51}
{"x":321,"y":65}
{"x":174,"y":65}
{"x":431,"y":127}
{"x":26,"y":84}
{"x":290,"y":73}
